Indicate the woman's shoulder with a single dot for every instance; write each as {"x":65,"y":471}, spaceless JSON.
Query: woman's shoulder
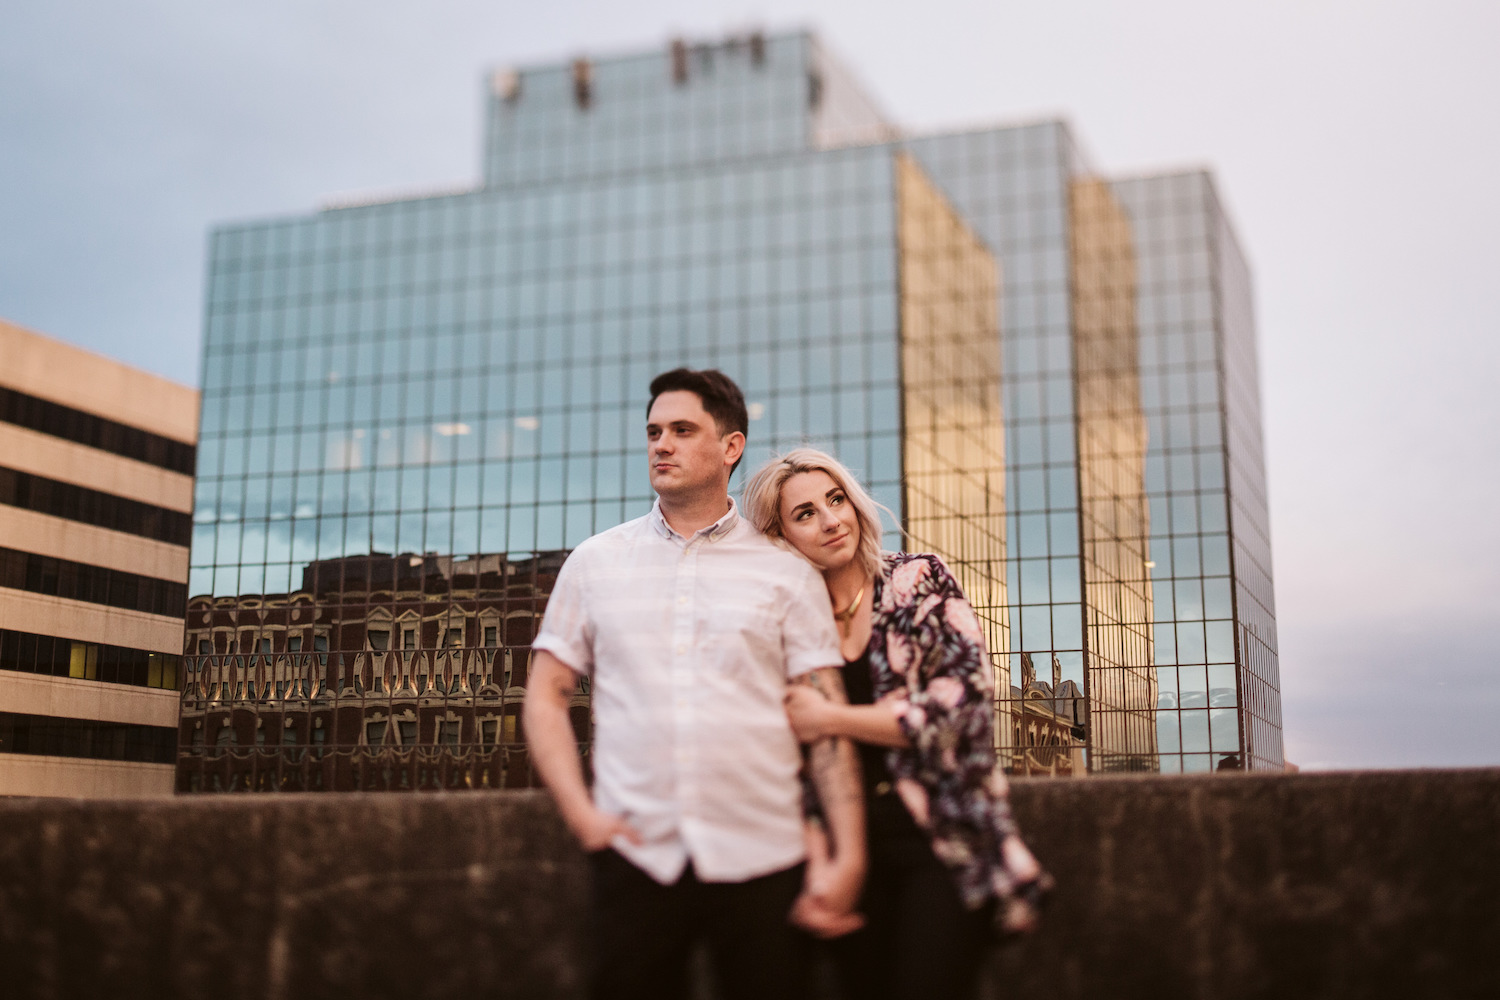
{"x":914,"y":563}
{"x":909,"y":576}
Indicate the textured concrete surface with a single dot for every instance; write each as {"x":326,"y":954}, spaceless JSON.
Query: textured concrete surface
{"x":1380,"y":884}
{"x":1357,"y":885}
{"x":289,"y":898}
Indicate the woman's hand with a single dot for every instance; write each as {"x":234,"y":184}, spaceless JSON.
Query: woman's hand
{"x":827,"y":907}
{"x":808,"y":712}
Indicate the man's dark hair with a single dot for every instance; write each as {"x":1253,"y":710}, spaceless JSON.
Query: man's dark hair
{"x":721,"y":398}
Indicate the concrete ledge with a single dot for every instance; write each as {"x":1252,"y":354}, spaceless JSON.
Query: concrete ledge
{"x":76,"y":698}
{"x":1347,"y":885}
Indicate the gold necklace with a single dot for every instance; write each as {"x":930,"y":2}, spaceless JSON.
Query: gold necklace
{"x":847,"y":615}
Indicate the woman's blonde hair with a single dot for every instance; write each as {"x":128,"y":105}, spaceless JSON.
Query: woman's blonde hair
{"x":763,"y":499}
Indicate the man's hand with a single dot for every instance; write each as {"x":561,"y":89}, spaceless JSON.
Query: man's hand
{"x":830,"y":891}
{"x":554,"y":754}
{"x":596,"y":828}
{"x":807,"y":711}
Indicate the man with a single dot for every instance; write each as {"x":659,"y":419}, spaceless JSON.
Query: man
{"x":690,"y":624}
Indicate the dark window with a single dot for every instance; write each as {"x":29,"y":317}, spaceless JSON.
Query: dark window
{"x":93,"y":584}
{"x":104,"y":510}
{"x":491,"y":636}
{"x":87,"y":738}
{"x":96,"y":432}
{"x":380,"y":638}
{"x":58,"y":657}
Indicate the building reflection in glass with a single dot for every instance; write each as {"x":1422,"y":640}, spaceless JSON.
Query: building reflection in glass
{"x":1048,"y":376}
{"x":953,"y":446}
{"x":1120,"y":682}
{"x":1214,"y":610}
{"x":379,"y":672}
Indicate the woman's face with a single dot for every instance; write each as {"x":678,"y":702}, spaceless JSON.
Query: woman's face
{"x":818,"y":520}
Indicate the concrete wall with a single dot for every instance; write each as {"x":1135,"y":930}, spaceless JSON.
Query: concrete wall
{"x":73,"y":698}
{"x":1358,"y":885}
{"x":74,"y":377}
{"x":79,"y":777}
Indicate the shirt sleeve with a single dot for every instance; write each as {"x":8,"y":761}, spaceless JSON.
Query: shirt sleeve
{"x":808,"y":635}
{"x":567,"y":630}
{"x":946,"y":713}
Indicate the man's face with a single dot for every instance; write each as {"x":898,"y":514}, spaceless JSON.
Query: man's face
{"x":686,"y":453}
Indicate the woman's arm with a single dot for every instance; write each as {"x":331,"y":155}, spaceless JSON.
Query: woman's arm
{"x":833,"y":887}
{"x":946,"y":710}
{"x":814,"y":717}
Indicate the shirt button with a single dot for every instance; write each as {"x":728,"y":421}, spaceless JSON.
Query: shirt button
{"x":682,"y":600}
{"x":681,"y":650}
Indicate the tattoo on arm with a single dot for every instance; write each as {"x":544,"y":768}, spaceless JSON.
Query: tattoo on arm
{"x":833,"y":766}
{"x":830,"y":687}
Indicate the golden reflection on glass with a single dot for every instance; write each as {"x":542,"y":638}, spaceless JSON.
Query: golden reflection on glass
{"x":1121,"y":677}
{"x":954,"y":442}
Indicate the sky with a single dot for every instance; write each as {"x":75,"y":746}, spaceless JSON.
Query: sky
{"x":1356,"y":144}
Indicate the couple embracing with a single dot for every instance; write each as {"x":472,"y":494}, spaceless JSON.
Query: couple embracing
{"x":720,"y":639}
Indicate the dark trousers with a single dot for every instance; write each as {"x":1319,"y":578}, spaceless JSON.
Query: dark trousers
{"x":643,"y":933}
{"x":919,"y":941}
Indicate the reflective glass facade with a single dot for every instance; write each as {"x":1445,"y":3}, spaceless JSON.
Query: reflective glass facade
{"x":413,"y":409}
{"x":1129,"y":373}
{"x":1014,"y":187}
{"x":1219,"y":704}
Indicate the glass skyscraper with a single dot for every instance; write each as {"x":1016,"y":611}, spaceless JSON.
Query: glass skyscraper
{"x":413,"y":408}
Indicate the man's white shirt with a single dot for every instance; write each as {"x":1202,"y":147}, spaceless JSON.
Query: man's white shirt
{"x":689,"y":643}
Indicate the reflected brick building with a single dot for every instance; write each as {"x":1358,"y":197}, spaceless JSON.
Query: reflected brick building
{"x":378,"y":673}
{"x":1048,"y":375}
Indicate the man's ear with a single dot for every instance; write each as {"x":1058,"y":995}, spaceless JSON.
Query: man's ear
{"x":734,"y":447}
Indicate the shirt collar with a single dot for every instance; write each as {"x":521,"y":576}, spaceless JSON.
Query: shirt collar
{"x":714,"y":532}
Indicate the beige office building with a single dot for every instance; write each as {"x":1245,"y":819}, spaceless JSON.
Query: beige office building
{"x":96,"y":490}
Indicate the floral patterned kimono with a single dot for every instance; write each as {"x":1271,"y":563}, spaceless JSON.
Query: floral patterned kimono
{"x":928,"y":659}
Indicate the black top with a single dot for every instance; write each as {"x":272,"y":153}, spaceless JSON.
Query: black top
{"x":860,"y":688}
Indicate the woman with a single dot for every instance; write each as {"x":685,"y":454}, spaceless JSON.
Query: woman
{"x":946,"y":863}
